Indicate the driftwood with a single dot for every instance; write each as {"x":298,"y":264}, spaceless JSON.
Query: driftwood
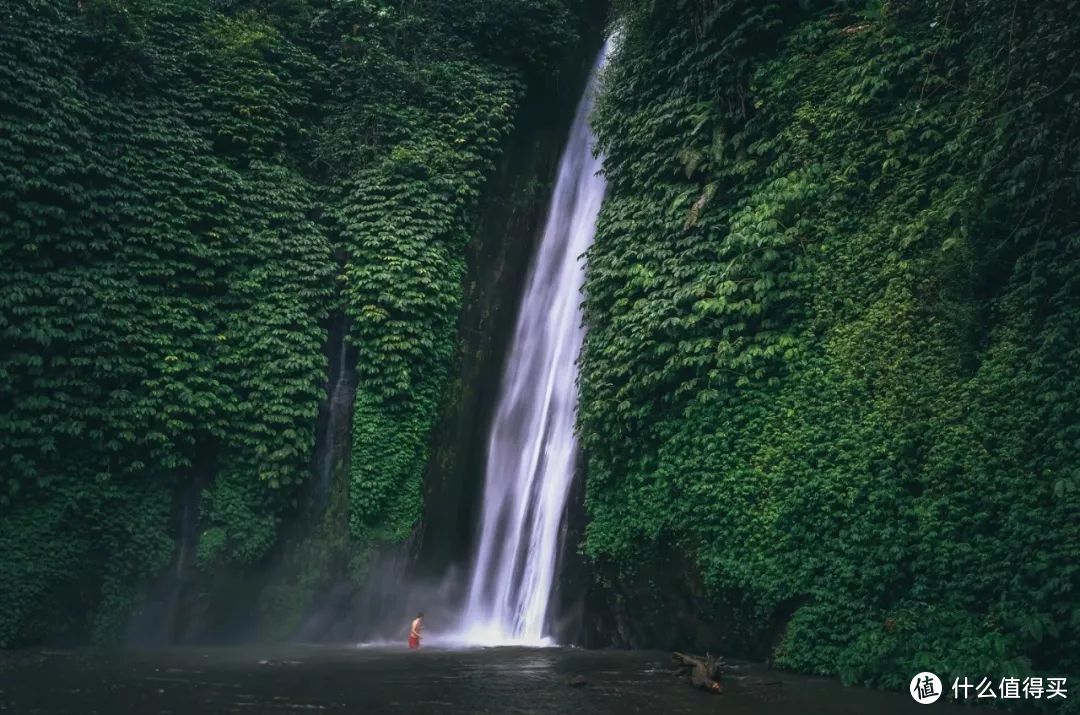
{"x":705,"y":673}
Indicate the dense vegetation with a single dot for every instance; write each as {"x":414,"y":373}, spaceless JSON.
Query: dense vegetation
{"x":189,"y":189}
{"x":829,"y":394}
{"x":833,"y":323}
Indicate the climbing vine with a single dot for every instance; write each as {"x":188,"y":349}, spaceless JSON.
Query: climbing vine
{"x":190,"y":188}
{"x":832,"y":317}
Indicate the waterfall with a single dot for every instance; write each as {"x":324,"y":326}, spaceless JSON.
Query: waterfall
{"x":335,"y":415}
{"x":531,"y":448}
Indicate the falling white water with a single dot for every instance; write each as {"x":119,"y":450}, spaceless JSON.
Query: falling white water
{"x":531,"y":449}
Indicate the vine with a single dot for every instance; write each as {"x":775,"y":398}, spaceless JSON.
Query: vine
{"x":831,"y":316}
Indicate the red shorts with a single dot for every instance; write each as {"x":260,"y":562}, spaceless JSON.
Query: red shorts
{"x":414,"y":641}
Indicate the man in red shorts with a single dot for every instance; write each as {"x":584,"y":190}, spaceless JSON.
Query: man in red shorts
{"x":414,"y":633}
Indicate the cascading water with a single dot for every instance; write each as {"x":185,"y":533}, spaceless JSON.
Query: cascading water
{"x":531,"y":448}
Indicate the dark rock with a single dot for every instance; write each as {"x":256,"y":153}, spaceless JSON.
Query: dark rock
{"x":577,"y":681}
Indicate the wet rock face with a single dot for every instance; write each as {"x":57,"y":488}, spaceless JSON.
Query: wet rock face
{"x":665,"y":606}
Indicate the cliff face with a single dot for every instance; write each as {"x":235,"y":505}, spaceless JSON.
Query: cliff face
{"x":216,"y":214}
{"x":828,"y":387}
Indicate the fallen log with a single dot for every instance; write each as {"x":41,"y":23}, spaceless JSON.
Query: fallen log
{"x":704,"y":673}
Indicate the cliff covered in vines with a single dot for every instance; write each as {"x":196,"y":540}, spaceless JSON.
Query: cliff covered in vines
{"x":189,"y":190}
{"x":829,"y":386}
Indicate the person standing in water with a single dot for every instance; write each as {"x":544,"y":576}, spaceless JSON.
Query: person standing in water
{"x":414,"y":632}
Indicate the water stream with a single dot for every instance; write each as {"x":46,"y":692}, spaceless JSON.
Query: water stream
{"x":531,"y":448}
{"x":335,"y":415}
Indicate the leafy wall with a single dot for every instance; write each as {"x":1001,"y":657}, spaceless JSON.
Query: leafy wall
{"x":190,"y":188}
{"x":833,"y":329}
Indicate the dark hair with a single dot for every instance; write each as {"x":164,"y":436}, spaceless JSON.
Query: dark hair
{"x":420,"y":614}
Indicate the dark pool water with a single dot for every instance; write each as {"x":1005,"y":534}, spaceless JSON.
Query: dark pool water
{"x":317,"y":679}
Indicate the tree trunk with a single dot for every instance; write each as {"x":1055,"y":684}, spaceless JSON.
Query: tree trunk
{"x":704,"y":673}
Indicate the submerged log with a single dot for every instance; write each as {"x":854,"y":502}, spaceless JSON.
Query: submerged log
{"x":704,"y":673}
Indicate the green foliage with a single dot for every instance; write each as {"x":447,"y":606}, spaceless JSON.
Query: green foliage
{"x":181,"y":180}
{"x":833,"y":325}
{"x":164,"y":280}
{"x":78,"y":553}
{"x":522,"y":33}
{"x":404,"y":221}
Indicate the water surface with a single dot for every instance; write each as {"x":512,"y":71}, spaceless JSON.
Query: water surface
{"x":302,"y":679}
